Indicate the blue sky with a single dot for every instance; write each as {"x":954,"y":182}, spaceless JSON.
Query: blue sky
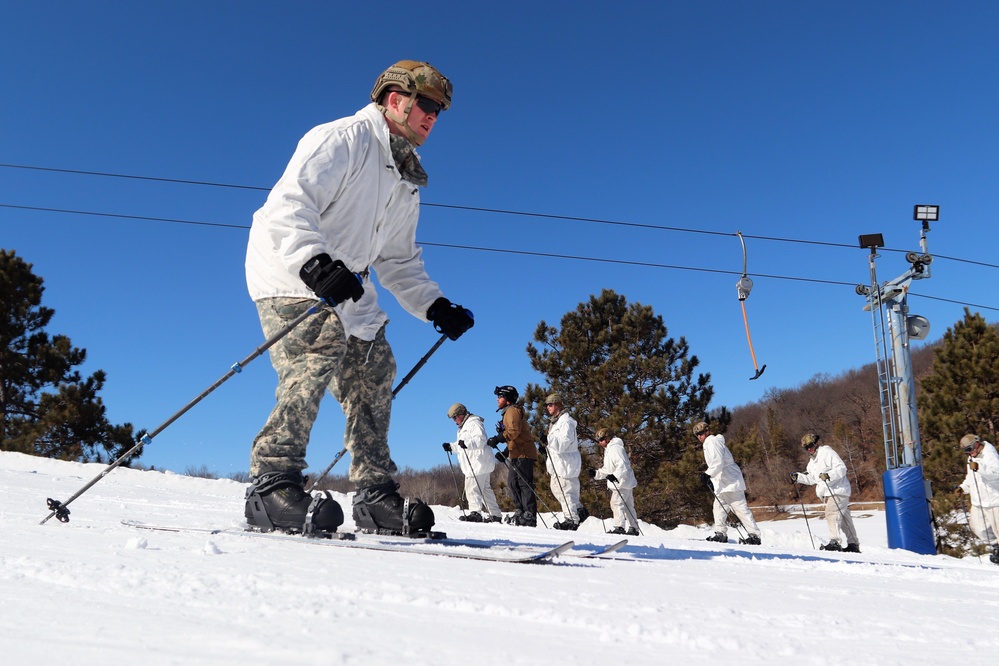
{"x":783,"y":120}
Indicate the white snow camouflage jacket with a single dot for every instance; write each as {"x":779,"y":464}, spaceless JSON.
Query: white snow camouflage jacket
{"x":983,"y":486}
{"x":476,"y":458}
{"x":563,"y":448}
{"x":725,"y":474}
{"x":342,"y":194}
{"x":616,"y":462}
{"x":826,"y":460}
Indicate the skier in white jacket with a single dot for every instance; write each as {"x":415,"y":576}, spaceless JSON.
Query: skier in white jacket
{"x":981,"y":484}
{"x":347,"y":203}
{"x":620,"y":481}
{"x":724,"y":479}
{"x":564,"y":462}
{"x":827,"y":472}
{"x":477,"y":464}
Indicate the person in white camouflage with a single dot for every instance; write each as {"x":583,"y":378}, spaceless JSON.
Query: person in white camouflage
{"x":347,"y":202}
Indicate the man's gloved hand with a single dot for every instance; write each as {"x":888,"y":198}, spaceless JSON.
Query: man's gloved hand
{"x":824,"y":476}
{"x":331,"y":280}
{"x":461,"y":444}
{"x":500,"y":456}
{"x":799,"y":477}
{"x":542,"y":450}
{"x":544,"y":438}
{"x":706,"y":481}
{"x":450,"y":319}
{"x":612,"y":478}
{"x":494,"y":441}
{"x":973,"y":465}
{"x":958,"y":490}
{"x":447,"y":446}
{"x":592,"y":473}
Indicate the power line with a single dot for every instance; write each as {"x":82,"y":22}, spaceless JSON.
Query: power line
{"x":498,"y":211}
{"x":547,"y":255}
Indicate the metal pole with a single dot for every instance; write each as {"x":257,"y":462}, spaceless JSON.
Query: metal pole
{"x":59,"y":510}
{"x":811,"y":540}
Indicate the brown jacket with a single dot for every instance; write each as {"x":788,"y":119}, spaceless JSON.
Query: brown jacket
{"x":517,"y":433}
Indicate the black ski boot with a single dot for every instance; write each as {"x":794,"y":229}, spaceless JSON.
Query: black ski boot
{"x":994,"y":557}
{"x":514,"y":518}
{"x":617,"y":530}
{"x":278,"y":501}
{"x":751,"y":540}
{"x":566,"y":525}
{"x":631,"y":532}
{"x":471,"y":517}
{"x":527,"y":520}
{"x":379,"y":509}
{"x":719,"y":537}
{"x":832,"y":545}
{"x":855,"y":548}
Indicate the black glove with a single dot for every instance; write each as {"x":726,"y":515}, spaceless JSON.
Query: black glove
{"x":447,"y":446}
{"x":494,"y":441}
{"x":500,"y":456}
{"x":612,"y":478}
{"x":706,"y":481}
{"x":542,"y":450}
{"x":331,"y":280}
{"x":794,"y":477}
{"x":544,"y":439}
{"x":461,"y":444}
{"x":450,"y":319}
{"x":592,"y":473}
{"x":824,"y":476}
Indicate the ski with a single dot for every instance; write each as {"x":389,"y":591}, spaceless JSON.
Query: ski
{"x":607,"y":550}
{"x":447,"y":547}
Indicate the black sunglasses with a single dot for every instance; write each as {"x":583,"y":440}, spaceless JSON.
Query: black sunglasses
{"x":427,"y":105}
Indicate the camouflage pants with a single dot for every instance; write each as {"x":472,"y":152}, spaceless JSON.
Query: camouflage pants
{"x":315,"y":356}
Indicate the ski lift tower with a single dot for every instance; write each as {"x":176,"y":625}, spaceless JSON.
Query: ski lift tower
{"x":906,"y":491}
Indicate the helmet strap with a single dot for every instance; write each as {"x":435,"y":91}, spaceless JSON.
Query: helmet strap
{"x":403,"y":121}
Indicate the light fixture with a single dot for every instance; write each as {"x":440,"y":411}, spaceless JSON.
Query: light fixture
{"x":917,"y":327}
{"x":872,"y":241}
{"x":926,"y":213}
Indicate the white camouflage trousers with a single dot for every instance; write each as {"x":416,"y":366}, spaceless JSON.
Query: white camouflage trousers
{"x":839,"y":519}
{"x":566,"y":491}
{"x":480,"y":494}
{"x":734,"y":501}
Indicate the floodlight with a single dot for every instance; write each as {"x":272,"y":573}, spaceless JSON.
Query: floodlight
{"x":926,"y":213}
{"x":917,"y":327}
{"x":872,"y":241}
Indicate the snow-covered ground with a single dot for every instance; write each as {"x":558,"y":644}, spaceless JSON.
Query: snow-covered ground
{"x":95,"y":592}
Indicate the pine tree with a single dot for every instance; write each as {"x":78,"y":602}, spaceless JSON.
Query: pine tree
{"x":615,"y":366}
{"x":68,"y":423}
{"x":960,"y":395}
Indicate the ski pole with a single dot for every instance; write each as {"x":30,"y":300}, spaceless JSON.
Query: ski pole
{"x":630,"y":513}
{"x":981,"y":508}
{"x":327,"y":470}
{"x":405,"y":380}
{"x":967,"y":521}
{"x":455,"y":479}
{"x":474,"y":478}
{"x":537,"y":497}
{"x":728,"y":510}
{"x":558,"y":479}
{"x":60,"y":510}
{"x":797,"y":492}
